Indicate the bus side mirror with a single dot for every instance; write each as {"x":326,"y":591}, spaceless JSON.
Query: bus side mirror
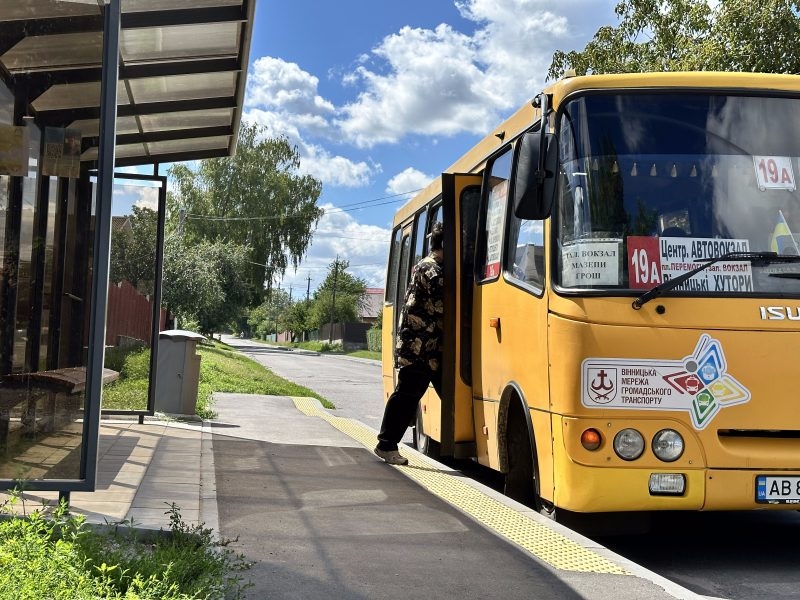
{"x":534,"y":180}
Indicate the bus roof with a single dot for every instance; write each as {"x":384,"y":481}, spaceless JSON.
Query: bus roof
{"x":526,"y":115}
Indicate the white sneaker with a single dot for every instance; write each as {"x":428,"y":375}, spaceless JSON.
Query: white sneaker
{"x":392,"y":457}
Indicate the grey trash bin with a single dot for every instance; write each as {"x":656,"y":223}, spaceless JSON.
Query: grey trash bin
{"x":178,"y":372}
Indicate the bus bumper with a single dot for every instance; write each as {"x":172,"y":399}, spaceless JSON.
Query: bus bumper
{"x":608,"y":489}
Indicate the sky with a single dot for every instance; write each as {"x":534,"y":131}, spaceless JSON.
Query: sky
{"x":380,"y":97}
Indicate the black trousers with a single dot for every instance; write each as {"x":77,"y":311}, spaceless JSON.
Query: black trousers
{"x":401,"y":407}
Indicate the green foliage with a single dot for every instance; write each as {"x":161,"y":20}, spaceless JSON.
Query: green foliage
{"x":337,"y":299}
{"x":370,"y":354}
{"x":270,"y":315}
{"x":256,"y":198}
{"x":691,"y":35}
{"x":56,"y":556}
{"x":133,"y":251}
{"x":130,"y":391}
{"x":204,"y":282}
{"x":374,"y":339}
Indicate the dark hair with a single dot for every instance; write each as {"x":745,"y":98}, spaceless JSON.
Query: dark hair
{"x":436,"y":236}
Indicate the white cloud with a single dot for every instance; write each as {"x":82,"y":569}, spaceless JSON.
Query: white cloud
{"x":283,"y":99}
{"x":125,"y":196}
{"x":338,"y":233}
{"x":407,"y":182}
{"x":278,"y":84}
{"x":443,"y":82}
{"x":432,"y":88}
{"x":419,"y":81}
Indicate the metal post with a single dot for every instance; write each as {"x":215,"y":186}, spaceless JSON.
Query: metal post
{"x":102,"y":228}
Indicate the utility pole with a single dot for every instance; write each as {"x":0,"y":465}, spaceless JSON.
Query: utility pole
{"x":308,"y":294}
{"x":277,"y":308}
{"x":333,"y":302}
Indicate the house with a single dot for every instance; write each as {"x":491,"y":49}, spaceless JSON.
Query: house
{"x":370,"y":305}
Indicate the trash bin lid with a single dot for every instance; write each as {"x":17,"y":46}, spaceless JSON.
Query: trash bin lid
{"x":181,"y":334}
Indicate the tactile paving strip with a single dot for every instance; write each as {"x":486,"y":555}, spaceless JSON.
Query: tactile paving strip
{"x":550,"y":546}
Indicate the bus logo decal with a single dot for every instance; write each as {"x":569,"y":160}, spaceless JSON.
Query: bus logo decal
{"x":698,"y":384}
{"x":602,"y":384}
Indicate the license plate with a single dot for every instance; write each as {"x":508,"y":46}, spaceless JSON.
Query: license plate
{"x":773,"y":489}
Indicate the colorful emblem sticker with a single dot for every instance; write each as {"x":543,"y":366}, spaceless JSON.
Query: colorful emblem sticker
{"x":698,"y":384}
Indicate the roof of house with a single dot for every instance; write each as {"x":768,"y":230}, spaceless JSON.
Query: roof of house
{"x":372,"y":303}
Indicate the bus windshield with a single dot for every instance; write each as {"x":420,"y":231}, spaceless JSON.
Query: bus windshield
{"x":653,"y":183}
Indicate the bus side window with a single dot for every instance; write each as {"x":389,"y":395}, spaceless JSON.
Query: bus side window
{"x":404,"y":273}
{"x":525,"y":251}
{"x":420,"y":245}
{"x":394,"y":265}
{"x":493,"y":218}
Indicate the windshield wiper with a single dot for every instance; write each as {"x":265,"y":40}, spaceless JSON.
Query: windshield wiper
{"x":757,"y":258}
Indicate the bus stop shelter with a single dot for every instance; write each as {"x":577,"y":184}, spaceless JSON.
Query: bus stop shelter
{"x":87,"y":87}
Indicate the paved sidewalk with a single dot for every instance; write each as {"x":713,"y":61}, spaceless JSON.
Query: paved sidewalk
{"x":320,"y":516}
{"x":142,"y":469}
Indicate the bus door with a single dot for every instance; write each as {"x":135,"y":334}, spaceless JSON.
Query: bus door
{"x":509,"y":340}
{"x":460,"y":203}
{"x":403,"y":275}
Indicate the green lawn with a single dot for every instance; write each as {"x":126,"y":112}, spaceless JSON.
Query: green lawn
{"x":221,"y":370}
{"x":324,"y":348}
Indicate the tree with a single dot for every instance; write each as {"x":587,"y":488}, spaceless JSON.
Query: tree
{"x":338,"y":299}
{"x":270,"y":316}
{"x":255,"y":198}
{"x":203,"y":282}
{"x":133,"y":251}
{"x":296,"y":319}
{"x":691,"y":35}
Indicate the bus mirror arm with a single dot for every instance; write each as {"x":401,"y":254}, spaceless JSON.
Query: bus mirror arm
{"x":535,"y":161}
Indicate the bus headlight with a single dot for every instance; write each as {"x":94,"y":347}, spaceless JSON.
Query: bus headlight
{"x":668,"y":445}
{"x":629,"y":444}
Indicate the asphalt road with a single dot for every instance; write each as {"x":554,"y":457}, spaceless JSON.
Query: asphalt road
{"x":353,"y":385}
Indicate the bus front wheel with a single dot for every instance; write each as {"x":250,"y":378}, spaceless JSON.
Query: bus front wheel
{"x":423,"y":442}
{"x":521,"y":479}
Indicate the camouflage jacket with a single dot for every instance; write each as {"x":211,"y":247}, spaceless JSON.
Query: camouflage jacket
{"x":419,"y":334}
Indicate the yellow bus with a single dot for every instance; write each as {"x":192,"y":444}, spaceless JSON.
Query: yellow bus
{"x":622,"y":305}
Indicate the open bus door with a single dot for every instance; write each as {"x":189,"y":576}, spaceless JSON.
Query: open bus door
{"x":460,"y":202}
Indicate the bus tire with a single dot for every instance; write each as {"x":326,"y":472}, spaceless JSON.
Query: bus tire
{"x":521,"y":479}
{"x":423,"y":442}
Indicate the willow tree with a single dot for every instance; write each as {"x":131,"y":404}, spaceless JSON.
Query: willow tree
{"x":691,"y":35}
{"x":256,"y":198}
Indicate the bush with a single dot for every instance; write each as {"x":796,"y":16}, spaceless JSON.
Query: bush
{"x":374,"y":339}
{"x":56,"y":556}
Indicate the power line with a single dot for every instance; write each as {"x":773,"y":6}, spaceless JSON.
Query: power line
{"x":361,"y":205}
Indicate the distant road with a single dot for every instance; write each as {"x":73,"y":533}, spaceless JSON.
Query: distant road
{"x":352,"y":384}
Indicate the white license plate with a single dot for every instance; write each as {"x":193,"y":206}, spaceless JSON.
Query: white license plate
{"x":773,"y":489}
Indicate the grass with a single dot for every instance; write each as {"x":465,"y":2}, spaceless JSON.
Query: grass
{"x":56,"y":556}
{"x":221,"y":370}
{"x":324,"y":348}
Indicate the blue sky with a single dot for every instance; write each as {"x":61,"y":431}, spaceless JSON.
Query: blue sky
{"x":380,"y":97}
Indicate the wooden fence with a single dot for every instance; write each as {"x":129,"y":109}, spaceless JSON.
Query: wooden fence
{"x":130,"y":314}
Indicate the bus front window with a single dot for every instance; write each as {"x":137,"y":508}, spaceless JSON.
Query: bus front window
{"x":651,"y":183}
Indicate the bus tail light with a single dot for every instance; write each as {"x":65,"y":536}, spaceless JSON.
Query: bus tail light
{"x":591,"y":439}
{"x":629,"y":444}
{"x":667,"y":484}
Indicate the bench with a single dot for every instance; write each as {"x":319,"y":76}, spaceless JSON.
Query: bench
{"x":61,"y":388}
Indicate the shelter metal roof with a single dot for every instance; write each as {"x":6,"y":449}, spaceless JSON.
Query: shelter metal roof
{"x":183,"y":67}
